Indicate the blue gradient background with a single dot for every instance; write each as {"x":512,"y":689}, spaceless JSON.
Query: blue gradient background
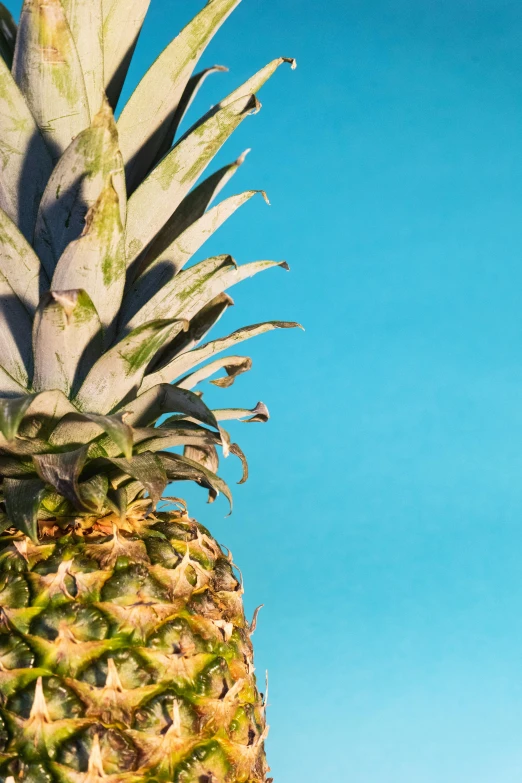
{"x":381,"y":526}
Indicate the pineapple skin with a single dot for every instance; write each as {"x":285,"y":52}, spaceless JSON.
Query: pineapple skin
{"x":126,"y":657}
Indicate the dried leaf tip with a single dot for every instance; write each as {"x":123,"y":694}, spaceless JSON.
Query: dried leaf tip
{"x":291,"y":60}
{"x":67,"y":301}
{"x":39,"y":711}
{"x":242,"y":157}
{"x":113,"y":682}
{"x":104,"y":117}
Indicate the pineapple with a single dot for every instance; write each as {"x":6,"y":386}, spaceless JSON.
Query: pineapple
{"x":125,"y":654}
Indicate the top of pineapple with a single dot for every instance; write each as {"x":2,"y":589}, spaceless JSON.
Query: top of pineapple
{"x":101,"y":315}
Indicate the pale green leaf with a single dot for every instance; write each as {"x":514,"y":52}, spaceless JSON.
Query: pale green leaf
{"x":62,"y":471}
{"x":9,"y":387}
{"x":148,"y":407}
{"x":175,"y":294}
{"x":181,"y":364}
{"x":95,"y":262}
{"x":8,"y":32}
{"x":180,"y":468}
{"x":16,"y":355}
{"x":47,"y":69}
{"x":257,"y":80}
{"x":247,"y":416}
{"x":199,"y":327}
{"x":152,"y":106}
{"x":25,"y":162}
{"x":194,"y":84}
{"x":67,"y":340}
{"x":148,"y":470}
{"x":12,"y":412}
{"x":85,"y":21}
{"x":76,"y":184}
{"x":20,"y":264}
{"x":152,"y":204}
{"x":181,"y":433}
{"x":173,"y":258}
{"x":191,"y":209}
{"x":22,"y":499}
{"x":122,"y":22}
{"x":77,"y":429}
{"x":193,"y":288}
{"x":44,"y":413}
{"x":233,"y":366}
{"x":121,"y":369}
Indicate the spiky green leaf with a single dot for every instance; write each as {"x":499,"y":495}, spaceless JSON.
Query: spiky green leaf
{"x":180,"y":468}
{"x":22,"y":499}
{"x":233,"y":366}
{"x":148,"y":470}
{"x":67,"y":340}
{"x":191,"y":209}
{"x":194,"y":84}
{"x":85,"y":20}
{"x":20,"y":264}
{"x":62,"y":471}
{"x":76,"y":184}
{"x":148,"y":407}
{"x":25,"y":162}
{"x":151,"y":205}
{"x":121,"y":368}
{"x":15,"y":330}
{"x":191,"y":358}
{"x":147,"y":117}
{"x":175,"y":256}
{"x":47,"y":69}
{"x":96,"y":262}
{"x":122,"y":22}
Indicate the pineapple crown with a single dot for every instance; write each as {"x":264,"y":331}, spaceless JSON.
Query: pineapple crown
{"x":102,"y":316}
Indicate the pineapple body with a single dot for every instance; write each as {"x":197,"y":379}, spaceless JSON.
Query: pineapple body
{"x":124,"y":650}
{"x":127,"y":657}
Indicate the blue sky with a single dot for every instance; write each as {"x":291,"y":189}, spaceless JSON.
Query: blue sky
{"x":381,"y":526}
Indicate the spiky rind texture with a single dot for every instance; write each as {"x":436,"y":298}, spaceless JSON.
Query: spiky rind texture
{"x":126,"y":656}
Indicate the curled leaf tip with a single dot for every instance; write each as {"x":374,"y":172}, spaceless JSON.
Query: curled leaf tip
{"x":242,"y":157}
{"x":284,"y":265}
{"x":291,"y":60}
{"x":221,"y":68}
{"x":265,"y":197}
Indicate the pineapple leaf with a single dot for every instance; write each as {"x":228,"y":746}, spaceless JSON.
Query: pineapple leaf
{"x":67,"y":340}
{"x":259,"y":414}
{"x":47,"y":69}
{"x":22,"y":499}
{"x":186,"y":361}
{"x":121,"y":368}
{"x":180,"y":433}
{"x":175,"y":294}
{"x":25,"y":162}
{"x":12,"y":412}
{"x":95,"y":262}
{"x":9,"y":387}
{"x":148,"y":470}
{"x":62,"y":471}
{"x":191,"y":209}
{"x":171,"y":260}
{"x":180,"y":468}
{"x":15,"y":327}
{"x":75,"y":185}
{"x":20,"y":264}
{"x":117,"y":430}
{"x":44,"y":413}
{"x":148,"y":407}
{"x":189,"y":93}
{"x":258,"y":80}
{"x":233,"y":365}
{"x":151,"y":205}
{"x":146,"y":118}
{"x":86,"y":23}
{"x":8,"y":32}
{"x":200,"y":325}
{"x":94,"y":492}
{"x":122,"y":22}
